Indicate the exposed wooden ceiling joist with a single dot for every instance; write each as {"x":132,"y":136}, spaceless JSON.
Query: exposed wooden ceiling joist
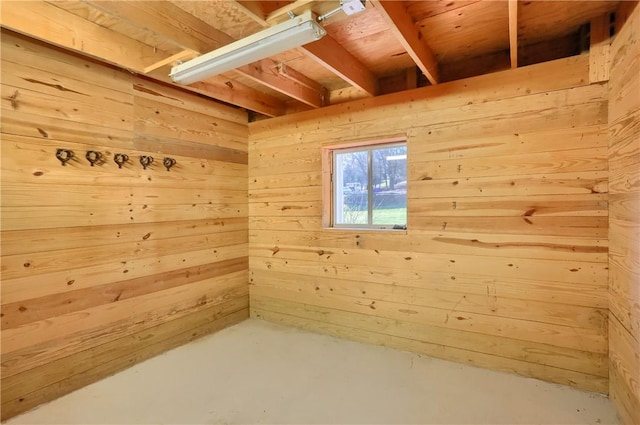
{"x":267,"y":72}
{"x":513,"y":32}
{"x":281,"y":13}
{"x":253,"y":9}
{"x":401,"y":24}
{"x":180,"y":56}
{"x":363,"y":55}
{"x":292,"y":74}
{"x":48,"y":22}
{"x":167,"y":21}
{"x":330,"y":54}
{"x":239,"y":94}
{"x":193,"y":34}
{"x":326,"y":51}
{"x":232,"y":92}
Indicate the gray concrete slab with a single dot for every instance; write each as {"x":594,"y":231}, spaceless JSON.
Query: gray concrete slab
{"x":258,"y":373}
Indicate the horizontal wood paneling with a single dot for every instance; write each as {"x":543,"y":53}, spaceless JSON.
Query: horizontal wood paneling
{"x":541,"y":225}
{"x":568,"y":73}
{"x":35,"y":309}
{"x":443,"y":285}
{"x":522,"y":206}
{"x":23,"y":288}
{"x":588,"y":323}
{"x":578,"y":160}
{"x":32,"y":241}
{"x":157,"y":306}
{"x":624,"y":218}
{"x":103,"y":267}
{"x":425,"y":246}
{"x":357,"y":328}
{"x":107,"y":359}
{"x":505,"y":260}
{"x":158,"y":120}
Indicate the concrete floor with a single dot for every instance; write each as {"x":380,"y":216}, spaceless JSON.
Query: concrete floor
{"x":258,"y":372}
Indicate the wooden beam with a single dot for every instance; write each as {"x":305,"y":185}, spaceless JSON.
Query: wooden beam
{"x":599,"y":49}
{"x":402,"y":26}
{"x":281,"y":13}
{"x":239,"y":94}
{"x":166,"y":21}
{"x":183,"y":55}
{"x":253,"y":9}
{"x":232,"y":92}
{"x":288,"y":72}
{"x":49,"y":23}
{"x":330,"y":54}
{"x":266,"y":72}
{"x":193,"y":33}
{"x":513,"y":32}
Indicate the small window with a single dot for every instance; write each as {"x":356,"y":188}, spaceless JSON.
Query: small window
{"x":369,"y":186}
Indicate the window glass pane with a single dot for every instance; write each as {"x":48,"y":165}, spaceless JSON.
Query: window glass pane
{"x":352,"y":198}
{"x":390,"y":186}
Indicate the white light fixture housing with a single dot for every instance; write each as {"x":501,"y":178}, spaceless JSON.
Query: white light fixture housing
{"x":351,"y":7}
{"x":287,"y":35}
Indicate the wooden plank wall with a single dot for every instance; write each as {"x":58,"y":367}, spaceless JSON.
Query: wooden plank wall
{"x":104,"y":267}
{"x":504,"y":263}
{"x":624,"y":218}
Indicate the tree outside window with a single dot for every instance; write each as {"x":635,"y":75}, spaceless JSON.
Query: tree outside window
{"x":370,"y":186}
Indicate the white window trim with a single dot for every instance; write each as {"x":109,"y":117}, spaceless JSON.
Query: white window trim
{"x":329,"y":188}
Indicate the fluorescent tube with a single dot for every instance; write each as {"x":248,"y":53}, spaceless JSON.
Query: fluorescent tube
{"x":287,"y":35}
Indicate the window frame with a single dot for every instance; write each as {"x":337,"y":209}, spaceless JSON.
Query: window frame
{"x":329,"y":182}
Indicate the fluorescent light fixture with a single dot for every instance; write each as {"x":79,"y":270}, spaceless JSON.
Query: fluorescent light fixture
{"x":287,"y":35}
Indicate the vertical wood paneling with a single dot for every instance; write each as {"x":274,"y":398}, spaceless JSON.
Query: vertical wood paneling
{"x":624,"y":219}
{"x":104,"y":267}
{"x":506,"y":253}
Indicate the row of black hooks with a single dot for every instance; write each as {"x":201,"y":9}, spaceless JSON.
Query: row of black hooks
{"x":94,"y":157}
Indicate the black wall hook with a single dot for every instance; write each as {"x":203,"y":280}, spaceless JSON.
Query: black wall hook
{"x":64,"y":155}
{"x":169,"y":162}
{"x":93,"y":157}
{"x":146,"y":161}
{"x":120,"y":159}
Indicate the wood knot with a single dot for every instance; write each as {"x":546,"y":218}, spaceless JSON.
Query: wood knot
{"x":14,"y":99}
